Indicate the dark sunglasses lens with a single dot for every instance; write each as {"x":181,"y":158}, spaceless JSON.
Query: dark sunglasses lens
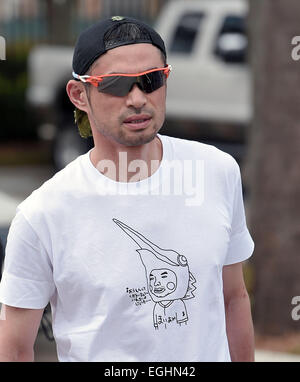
{"x":152,"y":81}
{"x":116,"y":85}
{"x":120,"y":86}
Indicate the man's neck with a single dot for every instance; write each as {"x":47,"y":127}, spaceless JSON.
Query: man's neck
{"x":127,"y":163}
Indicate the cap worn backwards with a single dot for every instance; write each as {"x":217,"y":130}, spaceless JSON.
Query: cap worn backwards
{"x":91,"y":43}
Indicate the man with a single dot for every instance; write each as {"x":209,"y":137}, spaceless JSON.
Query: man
{"x":127,"y":209}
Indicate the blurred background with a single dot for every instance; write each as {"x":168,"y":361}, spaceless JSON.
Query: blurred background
{"x":234,"y":84}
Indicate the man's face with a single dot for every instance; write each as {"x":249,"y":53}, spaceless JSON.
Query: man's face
{"x":162,"y":282}
{"x":136,"y":118}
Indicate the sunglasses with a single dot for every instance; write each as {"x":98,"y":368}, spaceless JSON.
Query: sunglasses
{"x":120,"y":84}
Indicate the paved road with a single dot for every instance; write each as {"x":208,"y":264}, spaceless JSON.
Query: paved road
{"x":269,"y":356}
{"x":16,"y":183}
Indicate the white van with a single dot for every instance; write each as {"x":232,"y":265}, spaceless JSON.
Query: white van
{"x":207,"y":44}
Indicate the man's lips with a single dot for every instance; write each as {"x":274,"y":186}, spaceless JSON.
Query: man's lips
{"x":137,"y":117}
{"x":159,"y":290}
{"x":140,"y":121}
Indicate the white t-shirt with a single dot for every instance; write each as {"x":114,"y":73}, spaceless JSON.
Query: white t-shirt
{"x":133,"y":271}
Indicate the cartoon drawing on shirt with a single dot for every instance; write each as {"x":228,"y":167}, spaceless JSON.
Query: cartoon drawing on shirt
{"x":169,"y":279}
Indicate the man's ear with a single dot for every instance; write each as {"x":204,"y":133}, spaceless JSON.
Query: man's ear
{"x":77,"y":94}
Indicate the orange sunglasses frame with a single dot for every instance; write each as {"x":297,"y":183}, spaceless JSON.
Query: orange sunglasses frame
{"x":94,"y":80}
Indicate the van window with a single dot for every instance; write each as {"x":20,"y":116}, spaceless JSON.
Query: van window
{"x":232,"y":41}
{"x":186,"y":33}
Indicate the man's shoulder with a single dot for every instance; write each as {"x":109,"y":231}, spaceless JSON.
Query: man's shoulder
{"x":191,"y":149}
{"x":67,"y":178}
{"x":52,"y":190}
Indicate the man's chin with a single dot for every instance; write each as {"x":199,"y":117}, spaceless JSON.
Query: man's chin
{"x":137,"y":138}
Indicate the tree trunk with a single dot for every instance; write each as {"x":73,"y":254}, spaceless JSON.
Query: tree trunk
{"x":274,"y":164}
{"x":59,"y":15}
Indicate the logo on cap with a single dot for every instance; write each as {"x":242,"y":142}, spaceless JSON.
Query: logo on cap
{"x":117,"y":18}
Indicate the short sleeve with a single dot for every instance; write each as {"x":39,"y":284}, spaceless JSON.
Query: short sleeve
{"x":27,"y":280}
{"x":241,"y":245}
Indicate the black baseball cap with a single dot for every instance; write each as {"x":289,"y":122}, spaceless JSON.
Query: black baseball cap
{"x":91,"y":43}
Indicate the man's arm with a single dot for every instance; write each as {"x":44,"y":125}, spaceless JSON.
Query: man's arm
{"x":18,"y":331}
{"x":239,"y":324}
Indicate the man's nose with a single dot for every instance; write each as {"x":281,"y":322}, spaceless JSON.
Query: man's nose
{"x":136,"y":98}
